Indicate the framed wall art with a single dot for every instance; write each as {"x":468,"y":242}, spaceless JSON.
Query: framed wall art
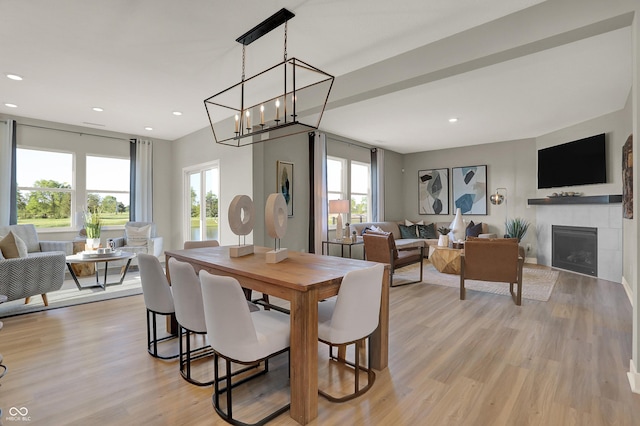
{"x":470,"y":189}
{"x":627,"y":179}
{"x":433,"y":191}
{"x":284,"y":177}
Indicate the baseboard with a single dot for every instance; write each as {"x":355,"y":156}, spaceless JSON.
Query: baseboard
{"x":634,"y":378}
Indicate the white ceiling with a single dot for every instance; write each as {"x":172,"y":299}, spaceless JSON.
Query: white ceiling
{"x":141,"y":60}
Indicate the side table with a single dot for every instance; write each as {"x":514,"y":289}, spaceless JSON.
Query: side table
{"x":343,"y":244}
{"x":445,"y":259}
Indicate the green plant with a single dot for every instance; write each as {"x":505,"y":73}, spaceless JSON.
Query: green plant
{"x":516,"y":228}
{"x":92,"y":224}
{"x":443,"y":230}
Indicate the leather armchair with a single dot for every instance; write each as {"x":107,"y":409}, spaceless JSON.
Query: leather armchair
{"x":497,"y":260}
{"x":382,"y":248}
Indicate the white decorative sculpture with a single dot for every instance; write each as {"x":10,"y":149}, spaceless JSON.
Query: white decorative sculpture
{"x":458,"y":229}
{"x":241,"y":219}
{"x":275,"y":218}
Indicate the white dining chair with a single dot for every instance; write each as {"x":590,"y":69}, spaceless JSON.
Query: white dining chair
{"x":350,"y":318}
{"x":239,"y":336}
{"x":199,"y":244}
{"x":187,"y":298}
{"x":157,"y":299}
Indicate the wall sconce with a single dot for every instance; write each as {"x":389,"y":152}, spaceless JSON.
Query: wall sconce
{"x":497,"y":199}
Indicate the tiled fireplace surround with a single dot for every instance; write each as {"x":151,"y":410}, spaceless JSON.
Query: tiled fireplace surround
{"x":607,"y":218}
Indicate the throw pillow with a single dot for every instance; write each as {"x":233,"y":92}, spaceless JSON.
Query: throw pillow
{"x":137,"y":237}
{"x":408,"y":231}
{"x":407,"y":222}
{"x":473,"y":230}
{"x":12,"y":246}
{"x":366,"y":228}
{"x":427,"y":231}
{"x":376,"y":229}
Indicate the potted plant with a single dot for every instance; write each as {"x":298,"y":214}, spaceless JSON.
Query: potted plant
{"x":516,"y":228}
{"x":443,"y":239}
{"x":92,"y":226}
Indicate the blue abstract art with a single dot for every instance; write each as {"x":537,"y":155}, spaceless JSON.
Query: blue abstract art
{"x":470,"y":189}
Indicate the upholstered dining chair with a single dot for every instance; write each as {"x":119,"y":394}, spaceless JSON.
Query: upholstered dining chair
{"x":380,"y":247}
{"x":497,"y":260}
{"x":239,"y":336}
{"x":187,"y":299}
{"x":157,"y":299}
{"x":350,"y":318}
{"x":199,"y":244}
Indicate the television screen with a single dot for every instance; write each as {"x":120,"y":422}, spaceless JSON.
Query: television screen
{"x":581,"y":162}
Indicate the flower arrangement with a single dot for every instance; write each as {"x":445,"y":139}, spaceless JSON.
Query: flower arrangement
{"x":92,"y":224}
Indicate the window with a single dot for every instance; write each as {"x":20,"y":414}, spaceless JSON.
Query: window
{"x":201,"y":218}
{"x":360,"y":192}
{"x":341,"y":172}
{"x":45,"y":187}
{"x":108,"y":189}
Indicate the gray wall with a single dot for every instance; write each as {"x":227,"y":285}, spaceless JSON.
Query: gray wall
{"x":509,"y":165}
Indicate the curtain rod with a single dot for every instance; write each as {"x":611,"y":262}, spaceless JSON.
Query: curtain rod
{"x":73,"y":131}
{"x":338,"y":139}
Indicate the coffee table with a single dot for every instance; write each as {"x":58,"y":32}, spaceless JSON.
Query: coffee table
{"x":95,"y":259}
{"x":445,"y":259}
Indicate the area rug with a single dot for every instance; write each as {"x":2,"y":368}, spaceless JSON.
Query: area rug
{"x":537,"y":281}
{"x":69,"y":295}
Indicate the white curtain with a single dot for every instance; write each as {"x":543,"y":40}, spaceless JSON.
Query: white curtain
{"x":6,"y":130}
{"x":144,"y":181}
{"x":377,"y":176}
{"x":320,"y":191}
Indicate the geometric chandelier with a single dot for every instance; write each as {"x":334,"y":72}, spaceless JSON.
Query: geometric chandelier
{"x":283,"y":100}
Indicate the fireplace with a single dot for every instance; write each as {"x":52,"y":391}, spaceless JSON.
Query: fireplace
{"x":575,"y":248}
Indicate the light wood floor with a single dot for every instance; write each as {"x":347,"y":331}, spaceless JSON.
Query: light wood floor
{"x":482,"y":361}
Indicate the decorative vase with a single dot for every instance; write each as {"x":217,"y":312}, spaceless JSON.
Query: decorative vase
{"x":443,"y":241}
{"x":92,"y":243}
{"x":457,"y":227}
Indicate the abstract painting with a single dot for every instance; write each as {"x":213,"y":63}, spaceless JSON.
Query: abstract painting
{"x":627,"y":179}
{"x":470,"y":189}
{"x":284,"y":175}
{"x":433,"y":191}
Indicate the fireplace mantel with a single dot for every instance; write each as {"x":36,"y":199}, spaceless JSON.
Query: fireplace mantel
{"x":588,"y":199}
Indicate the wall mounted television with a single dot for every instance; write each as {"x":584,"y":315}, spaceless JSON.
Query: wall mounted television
{"x":581,"y":162}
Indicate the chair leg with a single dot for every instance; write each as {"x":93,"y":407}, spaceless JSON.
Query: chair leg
{"x":152,"y":338}
{"x":371,"y":375}
{"x":462,"y":289}
{"x":44,"y":299}
{"x":27,"y":300}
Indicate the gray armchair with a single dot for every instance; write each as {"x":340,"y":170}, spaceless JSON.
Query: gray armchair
{"x":42,"y":271}
{"x":140,"y":239}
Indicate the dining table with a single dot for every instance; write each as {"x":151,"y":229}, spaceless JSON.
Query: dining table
{"x":303,"y":279}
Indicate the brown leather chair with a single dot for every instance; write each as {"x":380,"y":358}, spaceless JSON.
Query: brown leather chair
{"x":379,"y":247}
{"x":489,"y":259}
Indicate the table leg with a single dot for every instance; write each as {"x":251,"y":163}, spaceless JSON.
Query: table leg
{"x":304,"y":357}
{"x":379,"y":340}
{"x":73,"y":275}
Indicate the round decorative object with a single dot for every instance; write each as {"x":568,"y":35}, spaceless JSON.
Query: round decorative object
{"x":275,"y":216}
{"x":241,"y":215}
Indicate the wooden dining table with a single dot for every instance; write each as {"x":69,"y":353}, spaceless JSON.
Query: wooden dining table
{"x":303,"y":279}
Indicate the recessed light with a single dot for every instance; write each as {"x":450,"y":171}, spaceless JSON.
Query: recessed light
{"x":148,"y":128}
{"x":453,"y":120}
{"x":11,"y":105}
{"x":97,"y":109}
{"x":14,"y":77}
{"x":177,"y":113}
